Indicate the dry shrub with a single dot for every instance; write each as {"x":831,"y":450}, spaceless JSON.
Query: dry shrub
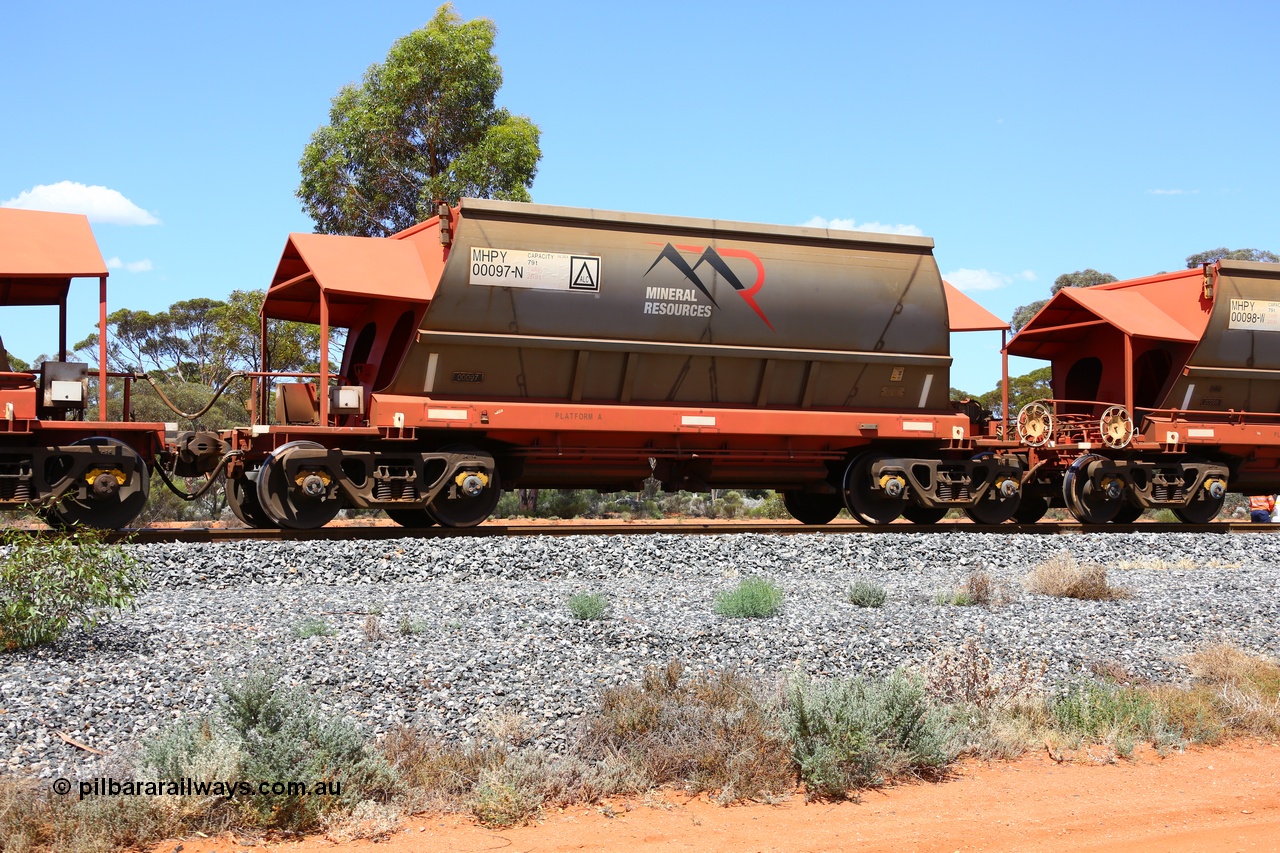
{"x":979,"y":588}
{"x":998,"y":711}
{"x":1223,"y":664}
{"x":1247,"y":686}
{"x":443,"y":774}
{"x":499,"y":785}
{"x":966,"y":675}
{"x":1191,"y":715}
{"x":1062,"y":576}
{"x":1110,"y":670}
{"x":35,"y":820}
{"x":710,"y":732}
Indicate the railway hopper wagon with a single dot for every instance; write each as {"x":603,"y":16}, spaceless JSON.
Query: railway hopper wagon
{"x":1166,"y":394}
{"x":503,"y":345}
{"x":77,"y":460}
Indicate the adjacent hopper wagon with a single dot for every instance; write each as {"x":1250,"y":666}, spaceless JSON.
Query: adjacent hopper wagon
{"x":1166,"y":394}
{"x":60,"y":451}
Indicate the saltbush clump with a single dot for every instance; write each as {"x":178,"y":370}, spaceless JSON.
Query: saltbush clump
{"x":753,"y":598}
{"x":866,"y":594}
{"x":851,"y":734}
{"x":312,"y":626}
{"x":48,"y":584}
{"x":588,"y":606}
{"x":261,"y":732}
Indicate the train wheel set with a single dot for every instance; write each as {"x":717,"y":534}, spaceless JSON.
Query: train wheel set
{"x":501,"y":345}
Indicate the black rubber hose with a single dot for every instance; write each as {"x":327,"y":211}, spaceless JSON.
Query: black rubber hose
{"x":208,"y":484}
{"x":191,"y":416}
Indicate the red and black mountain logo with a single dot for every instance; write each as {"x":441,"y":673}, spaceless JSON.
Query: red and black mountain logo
{"x":715,"y":259}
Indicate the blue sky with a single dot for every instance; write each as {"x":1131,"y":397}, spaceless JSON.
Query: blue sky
{"x":1026,"y":139}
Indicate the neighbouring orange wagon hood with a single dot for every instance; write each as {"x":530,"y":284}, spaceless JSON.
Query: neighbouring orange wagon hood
{"x":966,"y":315}
{"x":41,"y":252}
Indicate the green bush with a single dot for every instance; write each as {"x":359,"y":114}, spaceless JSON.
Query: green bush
{"x":1101,"y":711}
{"x":261,"y":733}
{"x":570,"y":503}
{"x":866,"y":594}
{"x":588,"y":606}
{"x":771,"y":506}
{"x":730,"y":504}
{"x":851,"y":734}
{"x":408,"y":627}
{"x":47,"y":584}
{"x":312,"y":626}
{"x":753,"y":598}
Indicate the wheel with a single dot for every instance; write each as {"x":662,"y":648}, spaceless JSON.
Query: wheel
{"x":1089,"y":503}
{"x":992,"y":510}
{"x":410,"y":517}
{"x":287,"y":504}
{"x":1201,"y":511}
{"x":994,"y":507}
{"x":1128,"y":514}
{"x":1035,"y":423}
{"x":917,"y":514}
{"x":868,"y":505}
{"x":242,"y":500}
{"x":1030,"y":509}
{"x":467,"y":511}
{"x":111,"y":503}
{"x":808,"y":508}
{"x":1116,"y":427}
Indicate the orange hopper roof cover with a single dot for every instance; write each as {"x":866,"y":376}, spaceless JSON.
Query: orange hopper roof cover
{"x":350,"y":270}
{"x":41,"y":252}
{"x":1135,"y":308}
{"x":968,"y":316}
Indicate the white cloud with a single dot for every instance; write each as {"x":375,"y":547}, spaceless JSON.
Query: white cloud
{"x":100,"y":204}
{"x":1172,"y":192}
{"x":985,"y":279}
{"x":851,"y":225}
{"x":143,"y":265}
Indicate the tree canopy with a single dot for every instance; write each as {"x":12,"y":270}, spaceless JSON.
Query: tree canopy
{"x":1080,"y":278}
{"x":1222,"y":253}
{"x":202,"y":340}
{"x":421,"y":127}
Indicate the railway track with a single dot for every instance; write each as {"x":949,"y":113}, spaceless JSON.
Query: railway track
{"x":690,"y":528}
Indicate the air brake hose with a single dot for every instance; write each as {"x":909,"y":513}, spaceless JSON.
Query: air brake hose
{"x":190,"y":416}
{"x":208,"y":484}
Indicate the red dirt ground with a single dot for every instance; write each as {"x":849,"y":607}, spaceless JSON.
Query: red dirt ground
{"x":1225,"y":799}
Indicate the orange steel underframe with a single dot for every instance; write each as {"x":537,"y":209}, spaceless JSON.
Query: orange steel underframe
{"x":624,"y":428}
{"x":145,"y":438}
{"x":497,"y":416}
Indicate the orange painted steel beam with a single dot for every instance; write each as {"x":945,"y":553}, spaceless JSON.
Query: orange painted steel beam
{"x":506,"y":416}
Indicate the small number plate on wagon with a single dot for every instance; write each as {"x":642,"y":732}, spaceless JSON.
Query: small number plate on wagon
{"x":538,"y":270}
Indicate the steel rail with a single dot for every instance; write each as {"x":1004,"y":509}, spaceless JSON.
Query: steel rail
{"x":197,"y":535}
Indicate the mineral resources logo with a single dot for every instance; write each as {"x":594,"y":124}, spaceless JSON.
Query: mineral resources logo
{"x":683,"y":302}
